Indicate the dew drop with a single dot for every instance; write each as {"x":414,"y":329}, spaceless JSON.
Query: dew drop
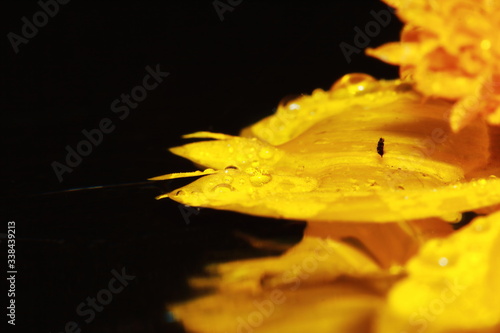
{"x":287,"y":101}
{"x":318,"y":94}
{"x":485,"y":44}
{"x":443,"y":261}
{"x":227,"y":179}
{"x":479,"y":226}
{"x":452,"y":217}
{"x":251,"y":171}
{"x":180,"y":193}
{"x":265,"y":153}
{"x":223,"y":188}
{"x":355,"y":83}
{"x":260,"y":179}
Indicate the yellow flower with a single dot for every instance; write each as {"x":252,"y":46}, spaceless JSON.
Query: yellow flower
{"x":317,"y":159}
{"x":451,"y":286}
{"x":451,"y":49}
{"x":376,"y":168}
{"x":369,"y":208}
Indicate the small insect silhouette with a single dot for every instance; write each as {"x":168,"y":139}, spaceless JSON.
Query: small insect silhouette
{"x":380,"y":147}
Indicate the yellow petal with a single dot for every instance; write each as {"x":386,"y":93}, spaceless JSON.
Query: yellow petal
{"x":270,"y":294}
{"x":389,"y":244}
{"x":316,"y":159}
{"x":344,"y":307}
{"x":314,"y":260}
{"x":452,"y":285}
{"x":395,"y":53}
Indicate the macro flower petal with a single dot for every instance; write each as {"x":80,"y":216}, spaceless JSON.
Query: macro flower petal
{"x":318,"y":159}
{"x":450,"y":49}
{"x":452,"y":284}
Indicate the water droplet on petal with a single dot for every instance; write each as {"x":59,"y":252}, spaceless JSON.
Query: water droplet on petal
{"x":222,"y":188}
{"x":287,"y":100}
{"x":227,"y":179}
{"x":180,"y":193}
{"x":479,"y":226}
{"x":485,"y":44}
{"x":443,"y":261}
{"x":318,"y":94}
{"x":265,"y":153}
{"x":251,"y":171}
{"x":452,"y":217}
{"x":355,"y":83}
{"x":260,"y":179}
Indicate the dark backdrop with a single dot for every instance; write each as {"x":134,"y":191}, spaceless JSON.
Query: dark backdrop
{"x":224,"y":75}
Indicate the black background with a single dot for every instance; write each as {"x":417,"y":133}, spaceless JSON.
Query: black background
{"x":224,"y":75}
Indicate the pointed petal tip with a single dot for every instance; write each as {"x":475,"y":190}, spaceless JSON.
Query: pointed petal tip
{"x":207,"y":135}
{"x":185,"y":174}
{"x":163,"y":196}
